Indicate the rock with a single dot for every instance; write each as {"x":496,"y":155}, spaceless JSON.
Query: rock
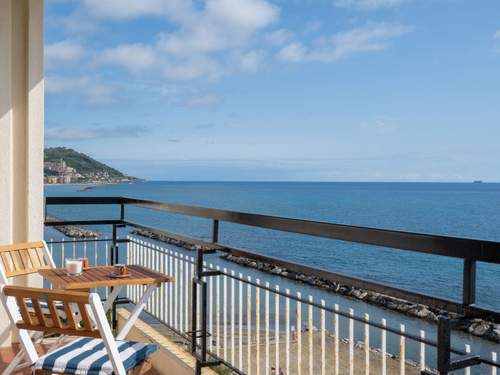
{"x":359,"y":294}
{"x":391,"y":304}
{"x":276,"y":270}
{"x":300,"y":276}
{"x":343,"y":289}
{"x":494,"y":334}
{"x":479,"y":327}
{"x":424,"y":313}
{"x":404,"y":307}
{"x":373,"y":297}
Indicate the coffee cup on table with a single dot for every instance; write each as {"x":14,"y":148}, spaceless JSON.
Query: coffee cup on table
{"x":73,"y":266}
{"x":85,"y":263}
{"x":120,"y":269}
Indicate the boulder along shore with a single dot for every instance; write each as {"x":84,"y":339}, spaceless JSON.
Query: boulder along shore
{"x":74,"y":231}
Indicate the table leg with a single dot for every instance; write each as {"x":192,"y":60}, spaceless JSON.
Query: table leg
{"x":112,"y":297}
{"x":134,"y":315}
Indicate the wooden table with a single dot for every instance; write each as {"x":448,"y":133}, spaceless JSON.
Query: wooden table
{"x":99,"y":277}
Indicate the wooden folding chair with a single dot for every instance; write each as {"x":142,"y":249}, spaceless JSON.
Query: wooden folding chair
{"x":24,"y":259}
{"x":95,"y":352}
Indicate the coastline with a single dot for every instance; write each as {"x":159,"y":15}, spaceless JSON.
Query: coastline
{"x":97,"y":183}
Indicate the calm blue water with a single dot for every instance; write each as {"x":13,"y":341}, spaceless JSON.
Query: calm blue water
{"x":466,"y":210}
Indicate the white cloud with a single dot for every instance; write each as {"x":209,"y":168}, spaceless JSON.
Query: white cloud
{"x":193,"y":67}
{"x":368,"y":4}
{"x":369,"y":38}
{"x":85,"y":134}
{"x":134,"y":57}
{"x":94,"y":92}
{"x":497,"y":35}
{"x":251,"y":61}
{"x":221,"y":25}
{"x":293,"y":52}
{"x":62,"y":52}
{"x":122,"y":10}
{"x":203,"y":44}
{"x":278,"y":37}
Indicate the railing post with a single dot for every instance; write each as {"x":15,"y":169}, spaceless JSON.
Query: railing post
{"x":122,"y":211}
{"x":113,"y":260}
{"x":469,"y":283}
{"x":444,"y":345}
{"x":215,"y":231}
{"x":202,"y":332}
{"x":112,"y":251}
{"x":444,"y":363}
{"x":194,"y":299}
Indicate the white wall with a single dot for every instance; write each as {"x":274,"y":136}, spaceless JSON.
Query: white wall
{"x":21,"y":127}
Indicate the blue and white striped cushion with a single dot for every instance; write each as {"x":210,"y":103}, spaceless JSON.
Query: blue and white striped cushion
{"x":45,"y":308}
{"x":88,"y":356}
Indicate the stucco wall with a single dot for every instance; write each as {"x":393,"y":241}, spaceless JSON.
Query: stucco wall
{"x":21,"y":128}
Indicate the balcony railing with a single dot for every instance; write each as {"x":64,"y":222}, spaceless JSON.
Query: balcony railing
{"x":254,"y":326}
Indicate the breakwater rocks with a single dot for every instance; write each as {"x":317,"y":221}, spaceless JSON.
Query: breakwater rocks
{"x":174,"y":239}
{"x":477,"y":327}
{"x":74,"y":231}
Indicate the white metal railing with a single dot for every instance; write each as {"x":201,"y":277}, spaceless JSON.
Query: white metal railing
{"x":96,"y":250}
{"x":258,"y":327}
{"x":265,"y":329}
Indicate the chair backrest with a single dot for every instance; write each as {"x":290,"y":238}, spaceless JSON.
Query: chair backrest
{"x":50,"y":321}
{"x":23,"y":259}
{"x":91,"y":322}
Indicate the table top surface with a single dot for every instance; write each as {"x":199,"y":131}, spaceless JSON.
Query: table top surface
{"x":98,"y":277}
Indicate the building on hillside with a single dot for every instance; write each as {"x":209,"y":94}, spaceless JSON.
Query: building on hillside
{"x":58,"y":172}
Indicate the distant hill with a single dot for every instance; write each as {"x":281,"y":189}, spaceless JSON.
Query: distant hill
{"x":64,"y":165}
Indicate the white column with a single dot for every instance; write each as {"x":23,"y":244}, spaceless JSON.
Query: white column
{"x":21,"y":127}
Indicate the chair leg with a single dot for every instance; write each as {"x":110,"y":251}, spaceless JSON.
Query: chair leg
{"x":14,"y":363}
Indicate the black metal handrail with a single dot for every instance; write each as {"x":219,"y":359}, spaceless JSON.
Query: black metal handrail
{"x":465,"y":248}
{"x":470,"y":250}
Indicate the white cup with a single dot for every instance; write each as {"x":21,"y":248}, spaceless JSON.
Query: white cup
{"x":73,"y":266}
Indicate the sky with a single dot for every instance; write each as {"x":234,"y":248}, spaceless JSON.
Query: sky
{"x":277,"y":90}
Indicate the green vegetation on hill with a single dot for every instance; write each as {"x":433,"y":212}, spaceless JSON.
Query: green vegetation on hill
{"x":83,"y":164}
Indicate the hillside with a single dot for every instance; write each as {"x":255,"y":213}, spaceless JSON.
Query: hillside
{"x":65,"y":165}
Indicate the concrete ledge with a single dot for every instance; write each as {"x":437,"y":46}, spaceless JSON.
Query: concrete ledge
{"x":170,"y":359}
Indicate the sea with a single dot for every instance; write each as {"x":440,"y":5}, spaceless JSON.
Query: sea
{"x":469,"y":210}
